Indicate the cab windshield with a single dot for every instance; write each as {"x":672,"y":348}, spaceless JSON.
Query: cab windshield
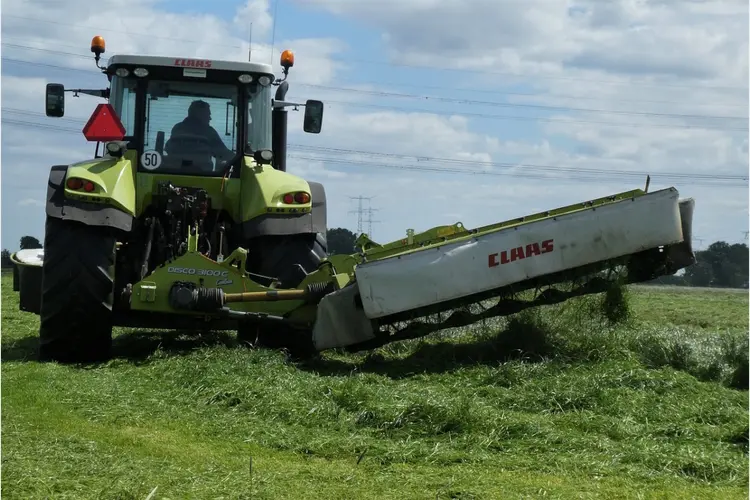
{"x":193,"y":129}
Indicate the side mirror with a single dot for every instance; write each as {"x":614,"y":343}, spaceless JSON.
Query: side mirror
{"x":313,"y":116}
{"x":55,"y":100}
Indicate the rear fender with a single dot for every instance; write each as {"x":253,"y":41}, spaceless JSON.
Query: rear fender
{"x":111,"y":204}
{"x":264,"y":215}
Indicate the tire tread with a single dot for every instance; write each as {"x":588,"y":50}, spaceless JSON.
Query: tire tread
{"x":77,"y":292}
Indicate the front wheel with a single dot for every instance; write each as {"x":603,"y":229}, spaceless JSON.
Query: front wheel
{"x":77,"y":292}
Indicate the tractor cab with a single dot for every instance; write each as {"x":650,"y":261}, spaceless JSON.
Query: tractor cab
{"x":194,"y":117}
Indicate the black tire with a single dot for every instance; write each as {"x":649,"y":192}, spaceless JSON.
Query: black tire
{"x":77,"y":292}
{"x":285,"y":258}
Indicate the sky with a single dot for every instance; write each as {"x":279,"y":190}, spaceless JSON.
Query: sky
{"x":436,"y":111}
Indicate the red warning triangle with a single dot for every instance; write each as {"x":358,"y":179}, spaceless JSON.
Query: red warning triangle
{"x":104,"y":125}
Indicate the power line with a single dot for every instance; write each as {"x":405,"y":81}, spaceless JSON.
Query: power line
{"x":539,"y":94}
{"x":42,"y":49}
{"x":273,"y":34}
{"x":578,"y":178}
{"x":526,"y":166}
{"x":123,"y":32}
{"x":534,"y":118}
{"x":453,"y":161}
{"x":46,"y":65}
{"x":460,"y":100}
{"x":421,"y":86}
{"x":573,"y":174}
{"x":522,"y":105}
{"x":542,"y":77}
{"x":406,"y":65}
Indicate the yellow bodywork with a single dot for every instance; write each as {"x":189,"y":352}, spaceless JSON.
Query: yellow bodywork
{"x":264,"y":187}
{"x":152,"y":293}
{"x":259,"y":189}
{"x":113,"y":179}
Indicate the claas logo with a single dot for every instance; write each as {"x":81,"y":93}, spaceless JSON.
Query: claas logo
{"x":520,"y":253}
{"x":192,"y":63}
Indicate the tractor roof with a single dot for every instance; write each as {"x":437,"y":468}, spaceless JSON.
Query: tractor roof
{"x":180,"y":62}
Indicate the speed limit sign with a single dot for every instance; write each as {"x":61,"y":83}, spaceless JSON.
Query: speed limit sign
{"x":151,"y":160}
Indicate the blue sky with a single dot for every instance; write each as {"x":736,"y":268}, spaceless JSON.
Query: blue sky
{"x":538,"y":104}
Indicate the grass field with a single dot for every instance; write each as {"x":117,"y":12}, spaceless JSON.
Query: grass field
{"x":653,"y":408}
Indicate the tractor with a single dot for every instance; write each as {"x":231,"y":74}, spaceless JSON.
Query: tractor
{"x":181,"y":224}
{"x":173,"y":181}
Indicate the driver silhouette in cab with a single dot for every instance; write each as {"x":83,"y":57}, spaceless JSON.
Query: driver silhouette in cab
{"x":195,"y":141}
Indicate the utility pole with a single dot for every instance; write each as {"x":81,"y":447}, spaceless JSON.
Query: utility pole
{"x":370,"y":221}
{"x":360,"y":211}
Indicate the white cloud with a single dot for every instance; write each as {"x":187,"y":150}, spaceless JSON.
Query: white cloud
{"x":55,"y":37}
{"x":255,"y":17}
{"x":26,"y":202}
{"x":647,"y":37}
{"x":627,"y":41}
{"x":645,"y":60}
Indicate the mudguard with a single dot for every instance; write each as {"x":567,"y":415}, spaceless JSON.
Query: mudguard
{"x":91,"y":213}
{"x":283,"y":224}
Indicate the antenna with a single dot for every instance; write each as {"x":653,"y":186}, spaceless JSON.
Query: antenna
{"x":250,"y":43}
{"x":273,"y":30}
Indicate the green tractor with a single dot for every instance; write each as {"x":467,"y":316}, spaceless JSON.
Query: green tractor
{"x":178,"y":225}
{"x":175,"y":205}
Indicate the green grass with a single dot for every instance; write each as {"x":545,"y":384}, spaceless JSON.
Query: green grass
{"x":555,"y":404}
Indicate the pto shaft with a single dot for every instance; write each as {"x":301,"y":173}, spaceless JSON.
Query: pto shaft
{"x":271,"y":295}
{"x":187,"y":296}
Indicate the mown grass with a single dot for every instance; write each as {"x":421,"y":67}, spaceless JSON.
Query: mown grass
{"x":558,"y":403}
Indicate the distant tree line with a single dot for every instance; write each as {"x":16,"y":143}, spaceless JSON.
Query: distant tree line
{"x":25,"y":243}
{"x":721,"y":265}
{"x":340,"y":241}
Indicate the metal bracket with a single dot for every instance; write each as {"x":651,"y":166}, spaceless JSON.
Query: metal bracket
{"x":288,"y":104}
{"x":103,"y":93}
{"x":240,"y":256}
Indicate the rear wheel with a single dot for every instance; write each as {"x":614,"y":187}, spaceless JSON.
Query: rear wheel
{"x":289,"y":259}
{"x":77,"y":292}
